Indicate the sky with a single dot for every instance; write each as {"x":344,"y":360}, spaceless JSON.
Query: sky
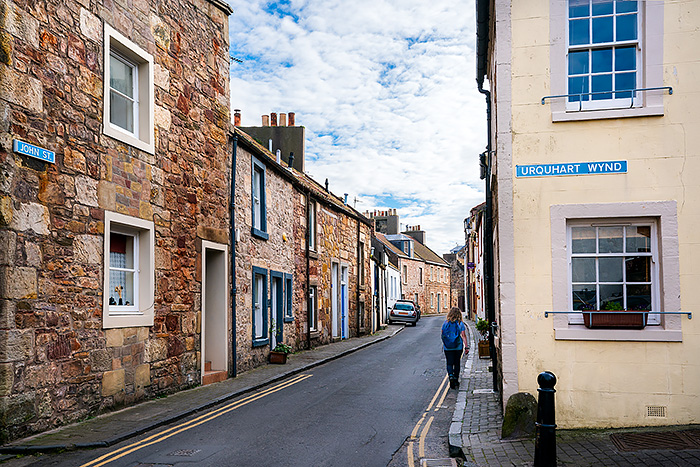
{"x":386,"y":90}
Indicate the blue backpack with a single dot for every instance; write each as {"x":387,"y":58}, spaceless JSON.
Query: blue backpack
{"x":450,"y":335}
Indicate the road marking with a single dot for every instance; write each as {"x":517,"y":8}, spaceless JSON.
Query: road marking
{"x":424,"y":433}
{"x":442,"y":399}
{"x":207,"y":417}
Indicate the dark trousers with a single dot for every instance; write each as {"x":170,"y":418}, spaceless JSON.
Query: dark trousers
{"x":453,"y":357}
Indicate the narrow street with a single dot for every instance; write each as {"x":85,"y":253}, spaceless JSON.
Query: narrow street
{"x":385,"y":405}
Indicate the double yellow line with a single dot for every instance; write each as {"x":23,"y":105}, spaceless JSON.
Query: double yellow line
{"x":207,"y":417}
{"x":421,"y":440}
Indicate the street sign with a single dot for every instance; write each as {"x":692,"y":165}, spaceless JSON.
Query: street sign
{"x":20,"y":147}
{"x":575,"y":168}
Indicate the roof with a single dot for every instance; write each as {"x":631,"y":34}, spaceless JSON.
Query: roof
{"x":300,"y":180}
{"x":398,"y":237}
{"x":387,"y":243}
{"x":428,"y":255}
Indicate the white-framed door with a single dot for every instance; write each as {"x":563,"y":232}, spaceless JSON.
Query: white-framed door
{"x":215,"y":316}
{"x":345,"y":302}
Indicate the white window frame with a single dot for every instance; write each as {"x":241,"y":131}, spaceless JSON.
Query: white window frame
{"x":143,"y":136}
{"x":312,"y":226}
{"x":664,"y":214}
{"x":649,"y":67}
{"x":140,"y":313}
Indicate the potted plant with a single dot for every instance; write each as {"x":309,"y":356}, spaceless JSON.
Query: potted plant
{"x":279,"y":353}
{"x":620,"y":318}
{"x":482,"y":326}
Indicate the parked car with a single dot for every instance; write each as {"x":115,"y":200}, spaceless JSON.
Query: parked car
{"x":404,"y":311}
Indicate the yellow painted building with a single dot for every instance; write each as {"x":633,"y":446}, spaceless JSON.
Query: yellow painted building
{"x":595,"y":162}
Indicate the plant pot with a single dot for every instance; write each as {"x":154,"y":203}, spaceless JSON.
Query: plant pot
{"x":278,"y":357}
{"x":484,"y":349}
{"x":617,"y":320}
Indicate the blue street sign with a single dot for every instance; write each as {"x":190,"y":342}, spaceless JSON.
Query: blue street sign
{"x":575,"y":168}
{"x":30,"y":150}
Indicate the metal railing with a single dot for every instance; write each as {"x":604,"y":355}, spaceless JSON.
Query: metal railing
{"x":620,"y":91}
{"x":590,"y":312}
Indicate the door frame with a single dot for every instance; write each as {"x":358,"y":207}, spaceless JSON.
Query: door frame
{"x":215,"y":296}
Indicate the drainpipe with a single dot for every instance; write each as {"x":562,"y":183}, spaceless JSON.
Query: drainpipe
{"x":482,"y":39}
{"x":232,"y":236}
{"x":308,"y":279}
{"x":357,"y":306}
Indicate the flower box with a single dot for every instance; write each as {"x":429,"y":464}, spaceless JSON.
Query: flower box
{"x":278,"y":357}
{"x":617,"y":320}
{"x":484,"y":351}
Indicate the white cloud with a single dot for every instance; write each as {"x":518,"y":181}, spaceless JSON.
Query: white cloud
{"x":386,"y":90}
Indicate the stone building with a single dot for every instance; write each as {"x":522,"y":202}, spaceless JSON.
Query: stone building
{"x":113,"y":168}
{"x":455,"y":258}
{"x":302,"y":258}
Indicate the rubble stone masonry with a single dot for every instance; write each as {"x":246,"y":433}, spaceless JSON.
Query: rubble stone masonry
{"x":57,"y":362}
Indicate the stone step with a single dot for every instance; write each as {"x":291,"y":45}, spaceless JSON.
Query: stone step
{"x":214,"y":377}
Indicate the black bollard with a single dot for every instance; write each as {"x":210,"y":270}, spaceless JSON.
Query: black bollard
{"x":545,"y":428}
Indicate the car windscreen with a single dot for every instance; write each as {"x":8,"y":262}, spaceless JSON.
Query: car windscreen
{"x":403,"y":306}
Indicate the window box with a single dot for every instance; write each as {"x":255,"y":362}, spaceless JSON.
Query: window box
{"x":279,"y":358}
{"x":484,"y":351}
{"x":624,"y":319}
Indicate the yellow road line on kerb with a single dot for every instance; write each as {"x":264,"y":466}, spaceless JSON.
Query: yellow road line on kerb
{"x":209,"y":416}
{"x":436,"y":393}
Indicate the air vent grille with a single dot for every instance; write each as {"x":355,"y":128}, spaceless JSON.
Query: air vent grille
{"x":656,"y":411}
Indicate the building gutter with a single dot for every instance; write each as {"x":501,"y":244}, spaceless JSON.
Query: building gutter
{"x":308,"y":273}
{"x":482,"y":44}
{"x":232,"y":236}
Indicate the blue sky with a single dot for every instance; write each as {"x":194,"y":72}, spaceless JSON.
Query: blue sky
{"x":386,"y":90}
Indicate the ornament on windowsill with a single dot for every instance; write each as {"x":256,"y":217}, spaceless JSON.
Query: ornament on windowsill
{"x":119,"y":290}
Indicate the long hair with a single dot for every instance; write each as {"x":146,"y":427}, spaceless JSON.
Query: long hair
{"x":454,"y":315}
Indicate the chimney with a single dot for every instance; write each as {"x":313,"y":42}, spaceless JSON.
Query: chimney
{"x":326,"y":185}
{"x":291,"y":159}
{"x":236,"y":117}
{"x":291,"y":118}
{"x":266,"y":120}
{"x":273,"y":119}
{"x":283,"y":119}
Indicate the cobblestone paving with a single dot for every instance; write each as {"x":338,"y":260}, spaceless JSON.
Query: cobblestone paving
{"x":481,"y":429}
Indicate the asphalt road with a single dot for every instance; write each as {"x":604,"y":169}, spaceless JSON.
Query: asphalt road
{"x":359,"y":410}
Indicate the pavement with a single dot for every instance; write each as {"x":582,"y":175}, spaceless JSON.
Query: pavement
{"x":114,"y":427}
{"x":477,"y":419}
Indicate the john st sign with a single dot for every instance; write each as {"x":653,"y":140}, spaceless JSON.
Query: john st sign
{"x":20,"y":147}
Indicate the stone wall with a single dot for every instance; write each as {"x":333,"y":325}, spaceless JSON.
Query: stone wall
{"x":57,"y":363}
{"x":439,"y":284}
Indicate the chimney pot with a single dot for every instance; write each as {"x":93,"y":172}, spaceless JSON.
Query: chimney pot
{"x":283,"y":119}
{"x":236,"y":117}
{"x":291,"y":118}
{"x":273,"y":118}
{"x":266,"y":120}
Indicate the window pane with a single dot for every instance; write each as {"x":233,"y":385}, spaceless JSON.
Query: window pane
{"x":626,"y":27}
{"x":638,"y":239}
{"x":626,"y":59}
{"x":121,"y":111}
{"x":583,"y":240}
{"x":610,"y":269}
{"x":584,"y":297}
{"x":258,"y":306}
{"x":578,"y":63}
{"x":578,"y":32}
{"x":583,"y":270}
{"x":602,"y":60}
{"x":121,"y":288}
{"x":639,"y":297}
{"x":602,"y":7}
{"x":121,"y":76}
{"x":610,"y":239}
{"x":121,"y":253}
{"x":638,"y":269}
{"x":624,"y":6}
{"x":578,"y":85}
{"x":602,"y":29}
{"x":611,"y":297}
{"x":625,"y":81}
{"x":601,"y":83}
{"x":578,"y":8}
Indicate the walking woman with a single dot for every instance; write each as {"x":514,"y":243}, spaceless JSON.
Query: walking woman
{"x":454,"y":342}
